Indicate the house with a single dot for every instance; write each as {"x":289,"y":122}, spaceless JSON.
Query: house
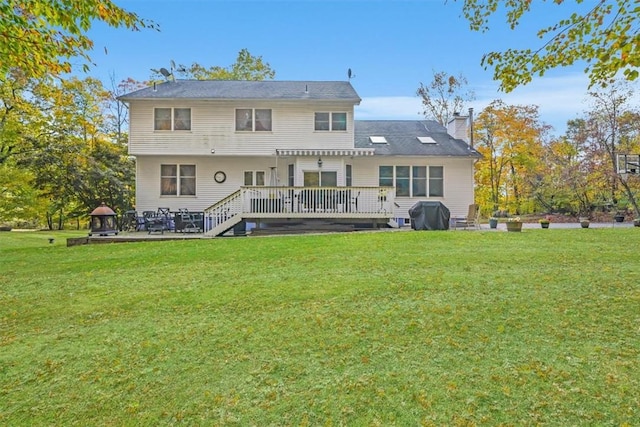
{"x":288,"y":152}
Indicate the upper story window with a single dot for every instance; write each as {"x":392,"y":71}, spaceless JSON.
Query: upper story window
{"x":253,"y":119}
{"x":172,"y":119}
{"x":331,"y":121}
{"x":414,"y":181}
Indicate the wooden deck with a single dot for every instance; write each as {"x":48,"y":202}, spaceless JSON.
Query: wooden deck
{"x":274,"y":204}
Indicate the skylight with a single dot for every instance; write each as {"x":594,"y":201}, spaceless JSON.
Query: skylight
{"x":378,"y":139}
{"x":426,"y":140}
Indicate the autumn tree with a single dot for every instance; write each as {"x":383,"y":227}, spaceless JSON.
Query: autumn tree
{"x":510,"y":138}
{"x":611,"y":128}
{"x":65,"y":147}
{"x":605,"y":35}
{"x":567,"y":185}
{"x":445,"y":95}
{"x":41,"y":37}
{"x":246,"y":67}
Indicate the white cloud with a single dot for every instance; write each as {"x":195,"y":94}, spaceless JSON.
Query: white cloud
{"x":389,"y":108}
{"x":559,"y":99}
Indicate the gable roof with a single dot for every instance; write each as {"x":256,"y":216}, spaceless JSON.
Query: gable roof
{"x":402,"y":138}
{"x":247,"y":90}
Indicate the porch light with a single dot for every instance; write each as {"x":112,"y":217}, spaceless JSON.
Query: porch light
{"x":319,"y":162}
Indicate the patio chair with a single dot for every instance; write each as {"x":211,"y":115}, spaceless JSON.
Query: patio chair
{"x":153,"y":222}
{"x":186,"y":222}
{"x":354,"y":201}
{"x":132,"y":221}
{"x":469,"y":221}
{"x":167,"y":218}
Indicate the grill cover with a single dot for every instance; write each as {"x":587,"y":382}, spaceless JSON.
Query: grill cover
{"x":429,"y":216}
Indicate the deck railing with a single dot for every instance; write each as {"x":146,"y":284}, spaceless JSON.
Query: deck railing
{"x":301,"y":202}
{"x":314,"y":201}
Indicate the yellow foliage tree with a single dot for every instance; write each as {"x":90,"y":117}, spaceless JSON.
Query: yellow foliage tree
{"x":603,"y":33}
{"x":510,"y":139}
{"x":39,"y":37}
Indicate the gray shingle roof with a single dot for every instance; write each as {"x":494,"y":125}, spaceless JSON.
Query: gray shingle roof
{"x":250,"y":90}
{"x":402,"y":138}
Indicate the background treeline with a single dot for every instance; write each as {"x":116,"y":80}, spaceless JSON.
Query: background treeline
{"x":63,"y":151}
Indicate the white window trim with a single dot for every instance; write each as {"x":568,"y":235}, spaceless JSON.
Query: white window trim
{"x":428,"y":179}
{"x":173,"y":119}
{"x":254,"y":177}
{"x":253,"y":120}
{"x":331,"y":113}
{"x":178,"y":178}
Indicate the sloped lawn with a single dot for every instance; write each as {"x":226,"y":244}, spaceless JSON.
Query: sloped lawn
{"x":359,"y":329}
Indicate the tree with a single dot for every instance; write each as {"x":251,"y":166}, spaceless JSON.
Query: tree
{"x":40,"y":37}
{"x":510,"y":138}
{"x":612,"y":128}
{"x":444,"y":96}
{"x":606,"y":36}
{"x":567,"y":184}
{"x":66,"y":147}
{"x":246,"y":67}
{"x":18,"y":198}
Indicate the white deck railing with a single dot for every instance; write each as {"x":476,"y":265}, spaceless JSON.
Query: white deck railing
{"x":300,"y":202}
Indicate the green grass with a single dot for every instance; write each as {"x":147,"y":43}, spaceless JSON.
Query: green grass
{"x":361,"y":329}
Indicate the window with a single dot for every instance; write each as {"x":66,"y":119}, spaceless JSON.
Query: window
{"x":386,"y":176}
{"x":338,"y":121}
{"x":348,"y":176}
{"x":413,"y":181}
{"x":403,"y":180}
{"x":178,"y":180}
{"x":250,"y":120}
{"x":330,"y":121}
{"x":162,"y":119}
{"x":254,"y":178}
{"x":172,"y":119}
{"x":378,"y":139}
{"x":321,"y":179}
{"x":263,"y":120}
{"x":419,"y":184}
{"x":436,"y":181}
{"x":426,"y":140}
{"x":291,"y":175}
{"x":182,"y":119}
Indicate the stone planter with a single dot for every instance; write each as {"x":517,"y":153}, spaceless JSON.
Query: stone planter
{"x":514,"y":226}
{"x":619,"y":218}
{"x":493,"y":223}
{"x":584,"y":223}
{"x":544,"y":224}
{"x":636,"y":222}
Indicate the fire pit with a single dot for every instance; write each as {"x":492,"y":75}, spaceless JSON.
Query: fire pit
{"x":103,"y":221}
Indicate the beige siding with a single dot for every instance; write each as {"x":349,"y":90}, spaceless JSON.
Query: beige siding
{"x":458,"y":178}
{"x":213,"y":128}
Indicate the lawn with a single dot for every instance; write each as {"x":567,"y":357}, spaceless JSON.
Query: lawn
{"x":358,"y":329}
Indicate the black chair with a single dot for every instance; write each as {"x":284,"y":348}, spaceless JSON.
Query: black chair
{"x":185,"y":222}
{"x":167,"y":218}
{"x":132,"y":221}
{"x":152,"y":222}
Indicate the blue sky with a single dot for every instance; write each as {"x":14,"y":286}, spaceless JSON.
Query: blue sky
{"x":390,"y":45}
